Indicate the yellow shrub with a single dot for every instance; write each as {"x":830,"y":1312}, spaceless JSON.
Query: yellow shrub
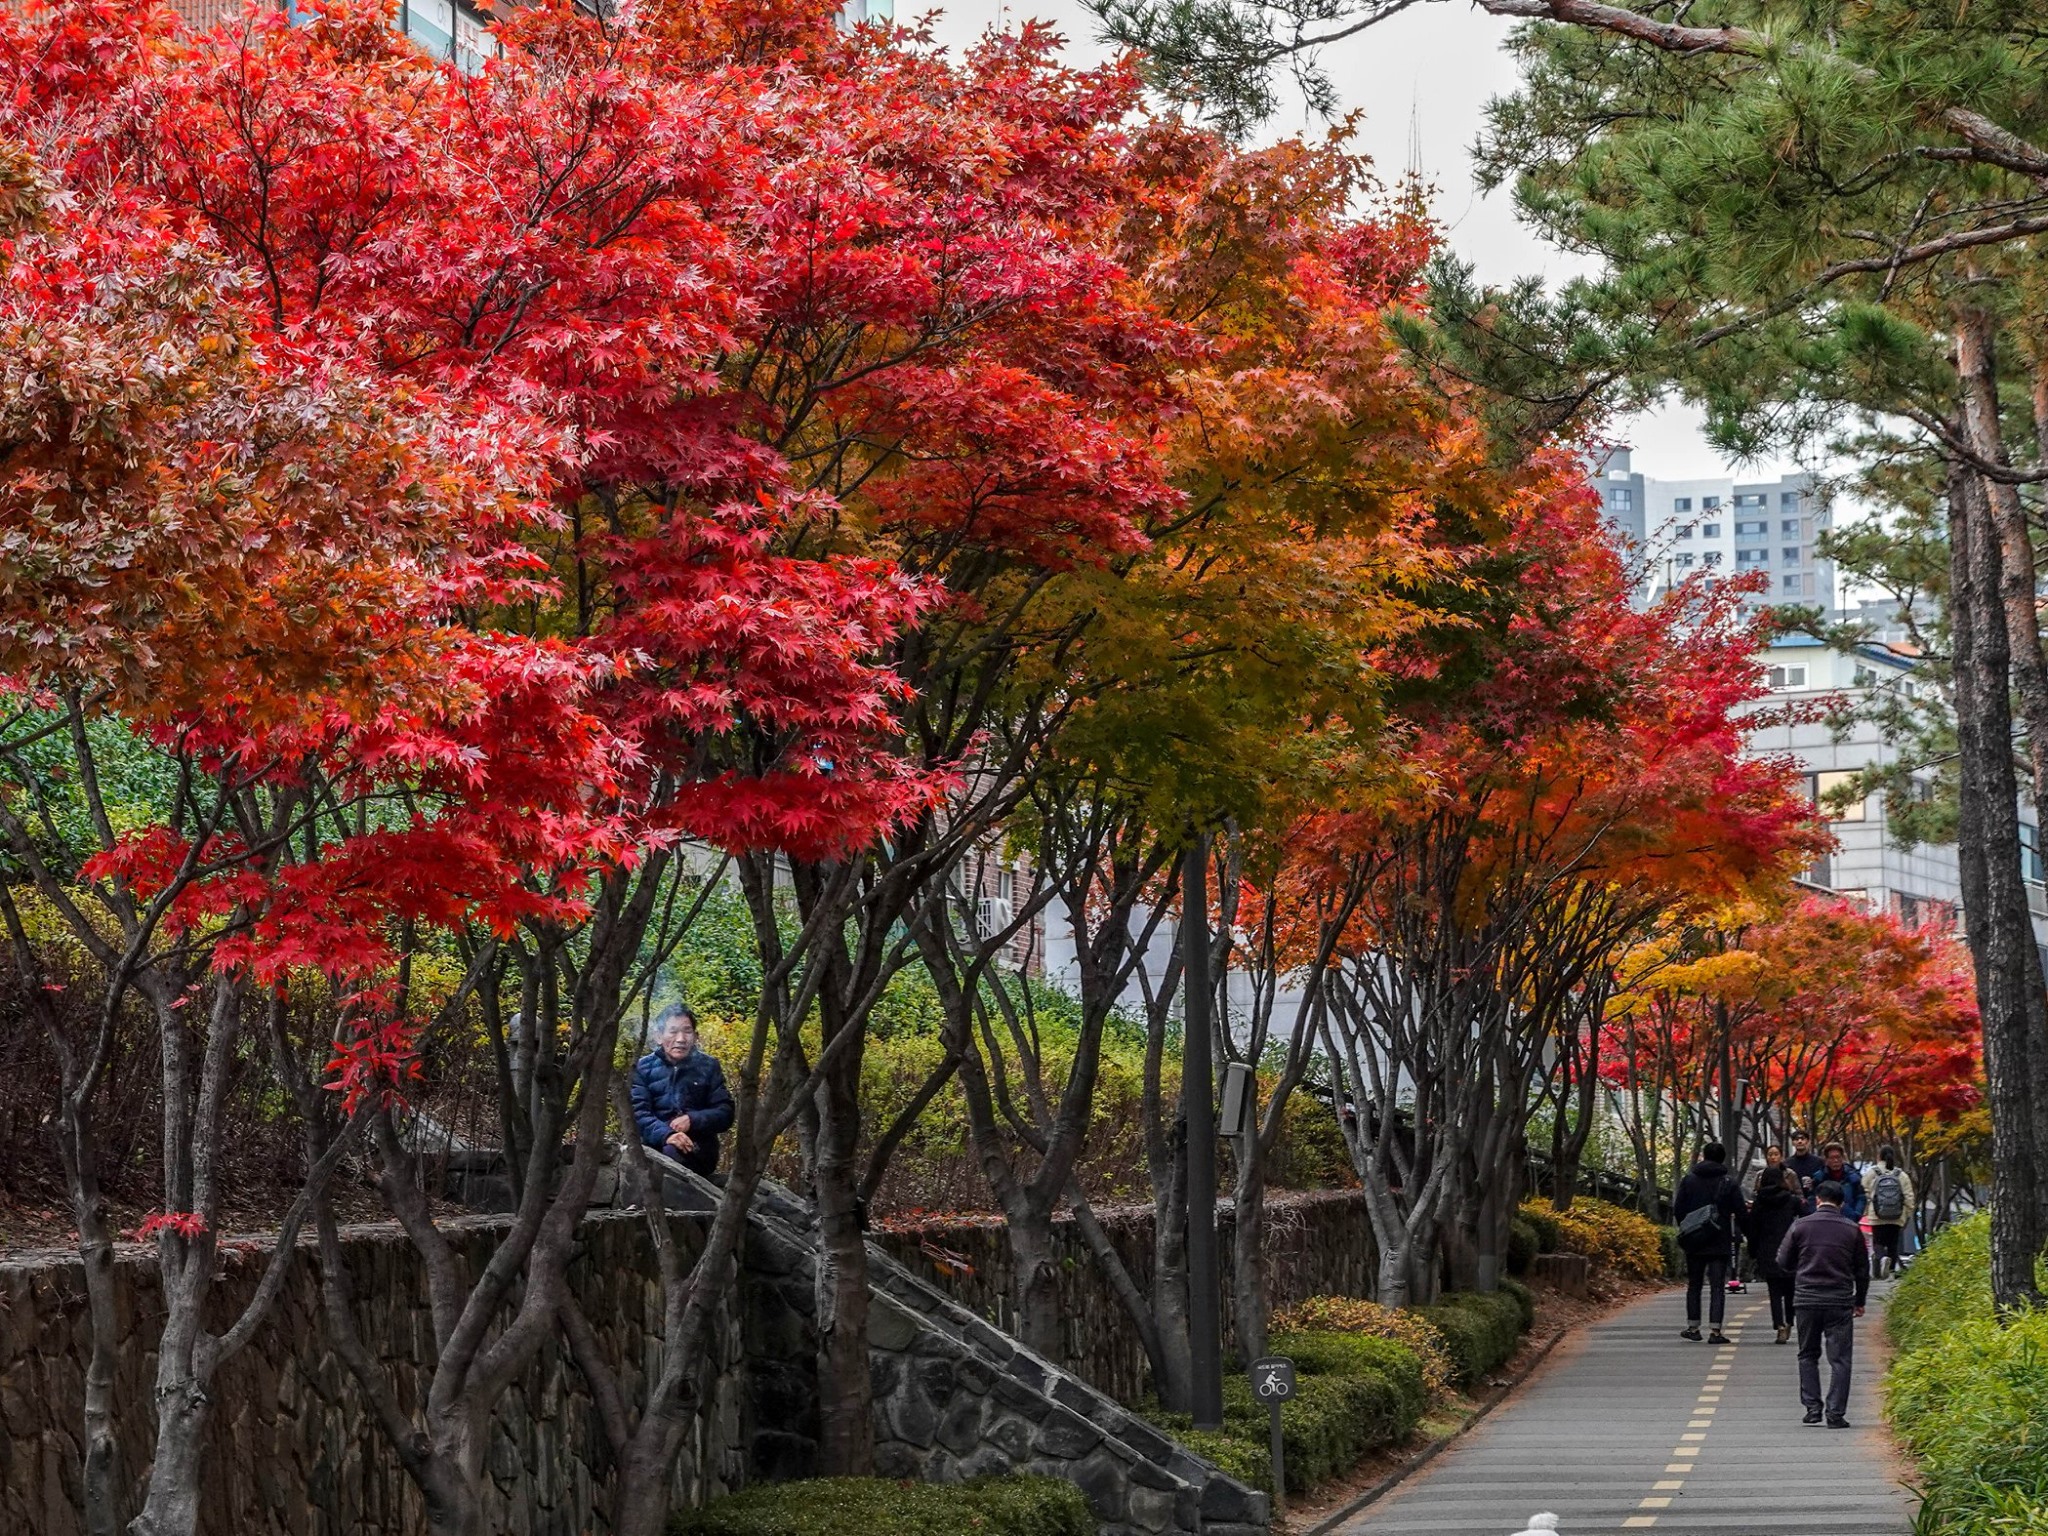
{"x":1349,"y":1314}
{"x":1613,"y":1237}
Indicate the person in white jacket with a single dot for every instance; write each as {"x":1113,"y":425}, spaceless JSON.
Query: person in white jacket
{"x":1890,"y":1192}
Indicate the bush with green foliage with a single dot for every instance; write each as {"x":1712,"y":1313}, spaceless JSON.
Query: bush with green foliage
{"x":1480,"y":1330}
{"x":997,"y":1506}
{"x":1355,"y":1315}
{"x":1968,"y":1395}
{"x":1525,"y":1301}
{"x":1543,"y":1222}
{"x":1355,"y":1392}
{"x":1674,"y":1254}
{"x":1524,"y":1243}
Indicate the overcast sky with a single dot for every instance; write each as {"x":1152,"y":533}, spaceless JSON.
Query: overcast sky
{"x":1423,"y":79}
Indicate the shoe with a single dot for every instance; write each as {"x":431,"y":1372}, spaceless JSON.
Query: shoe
{"x":1691,"y":1332}
{"x":1812,"y":1416}
{"x":1718,"y":1337}
{"x":1838,"y":1422}
{"x":1784,"y":1335}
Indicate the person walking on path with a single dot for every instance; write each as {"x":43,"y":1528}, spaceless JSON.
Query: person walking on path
{"x":1891,"y":1208}
{"x":1807,"y":1166}
{"x":1708,"y":1209}
{"x":1836,"y":1167}
{"x":1777,"y":1205}
{"x":1830,"y":1283}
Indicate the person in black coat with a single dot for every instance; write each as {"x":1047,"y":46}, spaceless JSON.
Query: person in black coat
{"x":1777,"y":1205}
{"x":1708,"y":1210}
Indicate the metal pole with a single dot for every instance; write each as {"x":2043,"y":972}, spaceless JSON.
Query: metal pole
{"x":1197,"y":1088}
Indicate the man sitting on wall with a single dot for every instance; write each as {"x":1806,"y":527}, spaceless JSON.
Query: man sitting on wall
{"x":679,"y":1095}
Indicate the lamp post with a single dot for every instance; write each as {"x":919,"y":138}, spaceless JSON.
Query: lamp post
{"x":1197,"y":1087}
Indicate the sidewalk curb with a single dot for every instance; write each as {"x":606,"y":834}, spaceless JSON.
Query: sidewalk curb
{"x":1400,"y":1475}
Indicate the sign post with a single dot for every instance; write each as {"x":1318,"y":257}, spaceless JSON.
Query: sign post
{"x":1273,"y":1385}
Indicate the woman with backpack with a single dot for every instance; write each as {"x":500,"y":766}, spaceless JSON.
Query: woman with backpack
{"x":1779,"y":1202}
{"x":1891,"y":1207}
{"x":1707,"y":1206}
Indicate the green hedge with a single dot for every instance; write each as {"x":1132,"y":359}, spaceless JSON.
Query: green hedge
{"x":1524,"y":1243}
{"x":1525,"y":1303}
{"x":1358,"y":1354}
{"x":837,"y":1506}
{"x":1481,"y":1331}
{"x":1674,"y":1255}
{"x":1549,"y":1236}
{"x":1967,"y":1396}
{"x":1355,"y":1393}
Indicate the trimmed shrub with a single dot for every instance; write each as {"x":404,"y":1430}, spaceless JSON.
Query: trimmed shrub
{"x":1525,"y":1301}
{"x":1614,"y":1238}
{"x":997,"y":1506}
{"x":1326,"y":1428}
{"x":1481,"y":1330}
{"x":1350,"y":1314}
{"x":1543,"y":1220}
{"x":1524,"y":1243}
{"x":1674,"y":1255}
{"x":1948,"y":1284}
{"x":1967,"y":1396}
{"x":1355,"y":1354}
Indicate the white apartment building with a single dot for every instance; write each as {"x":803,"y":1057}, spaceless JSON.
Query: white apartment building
{"x":1920,"y":884}
{"x":1675,"y":528}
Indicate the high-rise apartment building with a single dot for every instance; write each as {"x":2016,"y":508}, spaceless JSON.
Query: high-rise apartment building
{"x":1675,"y":528}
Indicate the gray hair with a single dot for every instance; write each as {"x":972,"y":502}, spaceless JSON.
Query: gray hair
{"x":672,"y":1015}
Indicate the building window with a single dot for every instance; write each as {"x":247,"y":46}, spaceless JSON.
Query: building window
{"x":1789,"y":527}
{"x":1752,"y":530}
{"x":1788,"y":498}
{"x":474,"y":45}
{"x":2032,"y":866}
{"x":1685,"y":560}
{"x":1752,"y":556}
{"x":1708,"y":503}
{"x":1624,"y":498}
{"x":1682,"y":504}
{"x":1785,"y":679}
{"x":1710,"y":530}
{"x":1711,"y":557}
{"x":431,"y":24}
{"x":1791,"y":585}
{"x":1789,"y":556}
{"x":1685,"y":530}
{"x":1827,"y":784}
{"x":1749,"y":500}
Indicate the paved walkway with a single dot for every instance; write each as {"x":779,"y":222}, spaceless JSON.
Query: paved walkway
{"x":1628,"y":1427}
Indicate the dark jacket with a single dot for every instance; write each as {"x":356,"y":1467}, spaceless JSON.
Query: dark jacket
{"x":1853,"y":1198}
{"x":1709,"y":1184}
{"x":694,"y":1086}
{"x":1809,"y":1168}
{"x":1829,"y":1264}
{"x":1771,"y":1216}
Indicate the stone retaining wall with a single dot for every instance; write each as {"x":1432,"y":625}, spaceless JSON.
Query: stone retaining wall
{"x":293,"y":1451}
{"x":1317,"y":1244}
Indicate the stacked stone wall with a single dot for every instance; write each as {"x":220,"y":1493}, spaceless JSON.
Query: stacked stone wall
{"x":1317,"y":1244}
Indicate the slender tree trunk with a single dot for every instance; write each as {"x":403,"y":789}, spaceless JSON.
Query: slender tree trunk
{"x":1248,"y":1248}
{"x":103,"y":1496}
{"x":846,"y":1399}
{"x":1976,"y":361}
{"x":2008,"y":968}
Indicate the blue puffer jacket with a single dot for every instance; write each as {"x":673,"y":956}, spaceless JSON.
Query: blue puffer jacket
{"x":694,"y":1086}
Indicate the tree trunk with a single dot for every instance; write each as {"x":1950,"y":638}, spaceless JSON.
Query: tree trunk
{"x":1976,"y":361}
{"x":1248,"y":1248}
{"x":846,"y":1445}
{"x":102,"y":1492}
{"x":2008,"y":968}
{"x":1035,"y":1284}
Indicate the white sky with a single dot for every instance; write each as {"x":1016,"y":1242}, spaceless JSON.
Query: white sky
{"x":1423,"y":78}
